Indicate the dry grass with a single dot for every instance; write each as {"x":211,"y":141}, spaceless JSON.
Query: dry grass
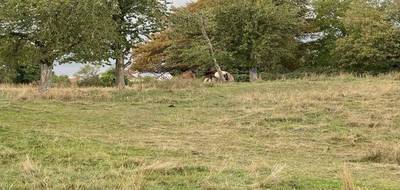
{"x":29,"y":168}
{"x":137,"y":181}
{"x":383,"y":153}
{"x":30,"y":92}
{"x":187,"y":135}
{"x":274,"y":178}
{"x":33,"y":175}
{"x":347,"y":179}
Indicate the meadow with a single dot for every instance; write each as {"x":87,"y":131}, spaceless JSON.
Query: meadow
{"x":315,"y":133}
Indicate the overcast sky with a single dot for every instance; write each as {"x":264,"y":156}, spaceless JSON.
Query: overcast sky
{"x":180,"y":2}
{"x":71,"y":69}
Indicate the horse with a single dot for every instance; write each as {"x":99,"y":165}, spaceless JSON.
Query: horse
{"x":216,"y":77}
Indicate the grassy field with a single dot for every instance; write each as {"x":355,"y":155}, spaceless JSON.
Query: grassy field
{"x":308,"y":134}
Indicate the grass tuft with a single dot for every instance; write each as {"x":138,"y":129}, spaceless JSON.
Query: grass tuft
{"x":29,"y":168}
{"x":383,"y":153}
{"x":347,"y":179}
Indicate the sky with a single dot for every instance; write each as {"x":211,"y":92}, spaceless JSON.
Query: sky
{"x":71,"y":69}
{"x":180,"y":2}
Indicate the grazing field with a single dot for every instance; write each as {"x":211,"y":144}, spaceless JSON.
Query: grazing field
{"x":306,"y":134}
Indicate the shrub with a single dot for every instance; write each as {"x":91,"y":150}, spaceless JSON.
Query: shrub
{"x":60,"y":81}
{"x":108,"y":78}
{"x":90,"y":82}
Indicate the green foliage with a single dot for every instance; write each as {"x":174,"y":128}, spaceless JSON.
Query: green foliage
{"x":88,"y":75}
{"x":329,"y":27}
{"x":88,"y":71}
{"x":108,"y":78}
{"x":90,"y":82}
{"x":27,"y":73}
{"x":135,"y":20}
{"x":15,"y":62}
{"x":91,"y":76}
{"x":19,"y":74}
{"x":258,"y":34}
{"x":328,"y":17}
{"x":351,"y":35}
{"x":245,"y":34}
{"x":60,"y":81}
{"x":188,"y":50}
{"x":151,"y":56}
{"x":59,"y":30}
{"x":372,"y":42}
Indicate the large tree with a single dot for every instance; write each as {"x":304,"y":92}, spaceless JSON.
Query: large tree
{"x":240,"y":35}
{"x":151,"y":56}
{"x":135,"y":21}
{"x":182,"y":46}
{"x":58,"y":31}
{"x":259,"y":34}
{"x":328,"y":26}
{"x":373,"y":37}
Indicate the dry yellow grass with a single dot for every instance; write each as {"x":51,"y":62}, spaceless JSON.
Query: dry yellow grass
{"x":347,"y":179}
{"x":29,"y":168}
{"x":30,"y":92}
{"x":383,"y":153}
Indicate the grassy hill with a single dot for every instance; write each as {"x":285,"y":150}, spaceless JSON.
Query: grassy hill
{"x":309,"y":134}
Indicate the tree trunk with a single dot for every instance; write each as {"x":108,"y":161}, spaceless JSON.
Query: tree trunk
{"x":119,"y":72}
{"x":211,"y":48}
{"x":253,"y":75}
{"x":46,"y":70}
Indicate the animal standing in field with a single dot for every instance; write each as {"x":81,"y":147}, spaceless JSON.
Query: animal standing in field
{"x":215,"y":77}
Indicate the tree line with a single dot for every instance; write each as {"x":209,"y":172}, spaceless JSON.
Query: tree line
{"x":45,"y":32}
{"x":279,"y":36}
{"x":272,"y":36}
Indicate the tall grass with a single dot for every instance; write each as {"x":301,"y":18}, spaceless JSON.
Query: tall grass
{"x":30,"y":92}
{"x":383,"y":153}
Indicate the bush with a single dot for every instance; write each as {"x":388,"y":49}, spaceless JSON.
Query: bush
{"x":90,"y":82}
{"x":108,"y":78}
{"x":242,"y":77}
{"x":61,"y":81}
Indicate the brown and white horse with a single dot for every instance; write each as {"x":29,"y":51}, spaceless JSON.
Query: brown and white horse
{"x":215,"y":77}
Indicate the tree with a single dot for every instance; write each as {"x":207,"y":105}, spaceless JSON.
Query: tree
{"x":328,"y":27}
{"x":151,"y":56}
{"x":373,"y":39}
{"x":182,"y":46}
{"x":14,"y":67}
{"x":197,"y":23}
{"x":58,"y":30}
{"x":243,"y":35}
{"x":191,"y":32}
{"x":259,"y":34}
{"x":87,"y":72}
{"x":135,"y":21}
